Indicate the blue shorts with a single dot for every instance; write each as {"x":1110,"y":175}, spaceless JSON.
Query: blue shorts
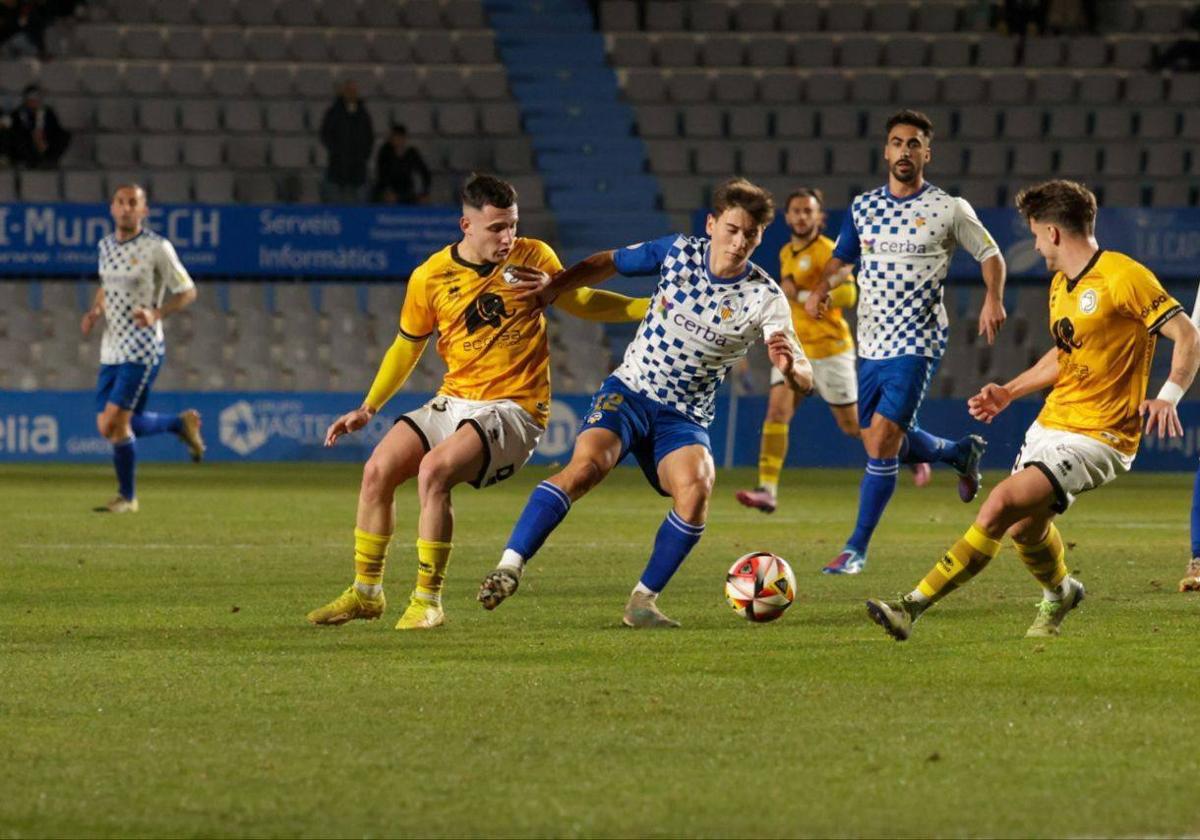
{"x":894,"y":388}
{"x":649,"y":430}
{"x":126,"y":385}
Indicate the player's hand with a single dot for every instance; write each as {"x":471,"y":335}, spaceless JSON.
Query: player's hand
{"x":89,"y":320}
{"x":817,"y":305}
{"x":780,"y":352}
{"x":990,"y":401}
{"x":146,"y":316}
{"x":349,"y":422}
{"x":1162,"y":418}
{"x":991,"y":317}
{"x":531,"y":285}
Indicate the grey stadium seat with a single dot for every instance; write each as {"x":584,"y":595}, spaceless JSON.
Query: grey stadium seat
{"x":755,"y":16}
{"x":1157,"y":123}
{"x":632,"y":49}
{"x":1166,"y":160}
{"x":708,"y":16}
{"x":115,"y":149}
{"x":39,"y":186}
{"x":83,"y":187}
{"x":1023,"y":123}
{"x":665,"y":16}
{"x":806,"y":158}
{"x":1032,"y":159}
{"x":291,"y":152}
{"x":199,"y":115}
{"x":749,"y":121}
{"x":676,"y":51}
{"x":715,"y":157}
{"x":247,"y":152}
{"x":770,"y":51}
{"x":779,"y":87}
{"x":1115,"y":123}
{"x":703,"y":121}
{"x":1121,"y":160}
{"x":115,"y":114}
{"x":874,"y":87}
{"x":1099,"y":88}
{"x":860,"y":51}
{"x":243,"y":117}
{"x":159,"y":151}
{"x":171,"y":186}
{"x":618,"y":16}
{"x":689,"y":86}
{"x":159,"y":115}
{"x":203,"y":151}
{"x":186,"y":79}
{"x":271,"y":81}
{"x":214,"y":188}
{"x":813,"y":52}
{"x":668,"y":157}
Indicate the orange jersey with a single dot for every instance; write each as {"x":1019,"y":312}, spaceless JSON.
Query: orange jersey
{"x":1105,"y":323}
{"x":830,"y":335}
{"x":494,"y":346}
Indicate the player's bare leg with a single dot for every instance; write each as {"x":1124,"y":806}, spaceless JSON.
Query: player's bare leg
{"x":114,"y":424}
{"x":782,"y":403}
{"x":459,"y":458}
{"x":596,"y":453}
{"x":395,"y":460}
{"x":687,"y":474}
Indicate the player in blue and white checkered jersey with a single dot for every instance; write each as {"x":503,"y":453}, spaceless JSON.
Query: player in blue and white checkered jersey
{"x":711,"y":304}
{"x":137,"y":269}
{"x":902,"y":236}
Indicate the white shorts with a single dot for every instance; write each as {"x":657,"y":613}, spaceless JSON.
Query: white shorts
{"x":1074,"y":463}
{"x":834,"y":378}
{"x":508,"y":432}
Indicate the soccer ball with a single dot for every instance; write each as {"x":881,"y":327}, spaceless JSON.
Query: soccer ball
{"x":760,"y":586}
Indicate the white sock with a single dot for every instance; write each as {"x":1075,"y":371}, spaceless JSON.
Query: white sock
{"x":1057,"y":594}
{"x":512,"y":561}
{"x":369,"y":590}
{"x":771,"y":487}
{"x":918,"y":597}
{"x":642,"y":589}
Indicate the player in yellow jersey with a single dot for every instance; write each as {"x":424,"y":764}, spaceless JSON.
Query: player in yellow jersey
{"x":489,"y":414}
{"x":1106,"y":311}
{"x":827,"y":342}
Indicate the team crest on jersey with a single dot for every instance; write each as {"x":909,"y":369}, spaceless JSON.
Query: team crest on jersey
{"x":805,"y":263}
{"x":730,"y":305}
{"x":594,"y":417}
{"x":919,"y":221}
{"x":1087,"y":302}
{"x":487,"y":309}
{"x":1064,"y":335}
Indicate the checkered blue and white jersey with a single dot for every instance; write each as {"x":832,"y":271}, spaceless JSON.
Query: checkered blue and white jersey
{"x":698,"y":325}
{"x":135,"y":273}
{"x":903,"y":248}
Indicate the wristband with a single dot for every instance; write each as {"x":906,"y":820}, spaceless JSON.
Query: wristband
{"x":802,"y":295}
{"x":1170,"y":392}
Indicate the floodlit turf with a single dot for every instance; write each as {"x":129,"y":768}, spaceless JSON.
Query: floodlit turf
{"x":157,"y":677}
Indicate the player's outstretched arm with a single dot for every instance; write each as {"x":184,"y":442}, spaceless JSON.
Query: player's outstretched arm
{"x":599,"y":305}
{"x":993,"y":398}
{"x":397,"y":365}
{"x":538,"y":286}
{"x":992,"y":315}
{"x":95,"y":312}
{"x":1162,"y":416}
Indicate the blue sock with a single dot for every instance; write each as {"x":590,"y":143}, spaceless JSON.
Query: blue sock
{"x":674,"y":540}
{"x":547,"y":506}
{"x":125,"y":460}
{"x":873,"y":495}
{"x":1196,"y":516}
{"x":920,"y":447}
{"x":150,"y":423}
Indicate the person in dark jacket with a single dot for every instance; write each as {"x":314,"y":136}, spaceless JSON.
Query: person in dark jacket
{"x":348,"y":137}
{"x":398,"y":166}
{"x":37,"y":138}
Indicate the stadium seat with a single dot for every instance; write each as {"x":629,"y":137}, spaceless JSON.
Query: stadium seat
{"x":806,"y":158}
{"x":186,"y":79}
{"x":159,"y":151}
{"x":171,"y":187}
{"x":847,"y":16}
{"x":618,"y":15}
{"x":1099,"y":88}
{"x":242,"y":117}
{"x":708,"y":16}
{"x":39,"y":186}
{"x":82,"y":187}
{"x":664,"y":16}
{"x":1032,"y":160}
{"x":1121,"y":160}
{"x":812,"y":52}
{"x":115,"y":149}
{"x":145,"y":78}
{"x":781,"y":87}
{"x":247,"y":152}
{"x":752,"y":16}
{"x":229,"y":80}
{"x":703,"y":121}
{"x":158,"y":115}
{"x":860,"y":51}
{"x":214,"y":188}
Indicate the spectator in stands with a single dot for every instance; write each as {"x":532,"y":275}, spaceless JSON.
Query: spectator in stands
{"x":348,"y":137}
{"x":1182,"y":56}
{"x":1025,"y":17}
{"x":25,"y":18}
{"x":38,"y":140}
{"x":397,"y":168}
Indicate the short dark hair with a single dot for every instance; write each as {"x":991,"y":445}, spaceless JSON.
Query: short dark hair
{"x":1067,"y":204}
{"x":129,"y":185}
{"x":806,"y":192}
{"x":738,"y":192}
{"x":914,"y":118}
{"x":481,"y":190}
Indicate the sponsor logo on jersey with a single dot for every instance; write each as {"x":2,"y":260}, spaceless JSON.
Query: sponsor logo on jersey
{"x":1153,"y":305}
{"x":1064,"y":335}
{"x":487,"y":309}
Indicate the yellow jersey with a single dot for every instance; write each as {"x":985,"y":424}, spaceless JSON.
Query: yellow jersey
{"x":1105,"y":323}
{"x":803,"y":266}
{"x":495,"y":347}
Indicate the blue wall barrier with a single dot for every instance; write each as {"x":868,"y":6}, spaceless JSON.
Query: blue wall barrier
{"x":229,"y":240}
{"x":48,"y":426}
{"x":1165,"y":241}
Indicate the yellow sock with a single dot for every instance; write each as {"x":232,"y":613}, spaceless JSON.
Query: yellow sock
{"x":370,"y":553}
{"x":1046,"y":561}
{"x":965,"y":559}
{"x":772,"y":455}
{"x":432,"y":559}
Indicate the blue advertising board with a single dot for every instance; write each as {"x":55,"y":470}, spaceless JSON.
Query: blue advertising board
{"x":1167,"y":241}
{"x":234,"y":240}
{"x":48,"y":426}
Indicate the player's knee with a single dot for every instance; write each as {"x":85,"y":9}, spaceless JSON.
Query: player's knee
{"x":435,"y":474}
{"x":113,"y":427}
{"x":849,"y":427}
{"x":691,"y":496}
{"x":998,"y":512}
{"x":582,"y":475}
{"x":379,"y":479}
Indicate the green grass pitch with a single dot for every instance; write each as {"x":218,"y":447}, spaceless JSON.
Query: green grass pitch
{"x":157,"y":677}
